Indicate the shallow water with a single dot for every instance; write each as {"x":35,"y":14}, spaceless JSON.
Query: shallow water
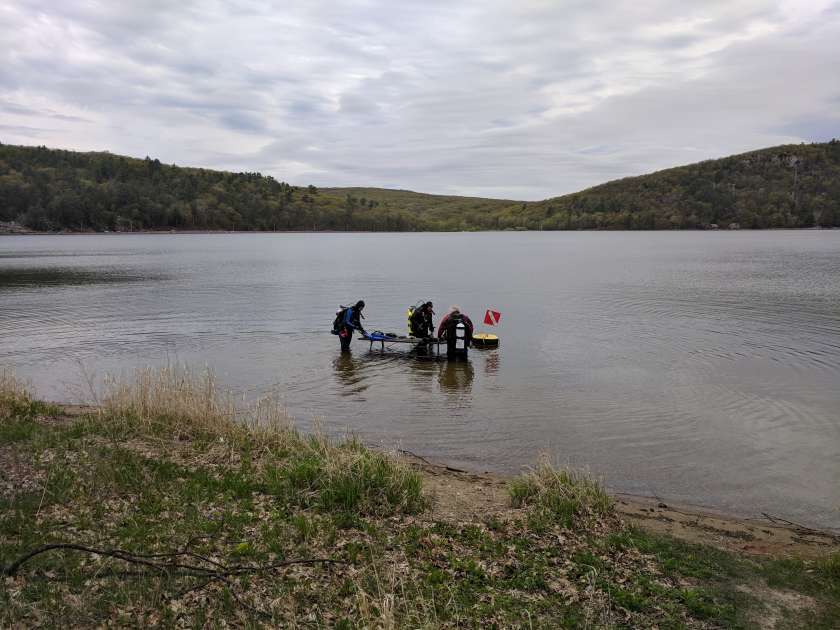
{"x":700,"y":367}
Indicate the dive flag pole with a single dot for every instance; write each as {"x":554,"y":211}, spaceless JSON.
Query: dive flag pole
{"x":487,"y":340}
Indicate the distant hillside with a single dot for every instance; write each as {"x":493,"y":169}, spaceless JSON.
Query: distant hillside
{"x":46,"y":189}
{"x":794,"y":185}
{"x":438,"y":212}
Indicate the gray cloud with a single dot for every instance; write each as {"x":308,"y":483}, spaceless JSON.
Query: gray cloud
{"x":518,"y":100}
{"x":818,"y":129}
{"x":242,"y":121}
{"x":20,"y":110}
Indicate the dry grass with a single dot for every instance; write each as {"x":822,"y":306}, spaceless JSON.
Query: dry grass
{"x":13,"y":392}
{"x":16,"y":399}
{"x":171,"y":462}
{"x":181,"y":405}
{"x":191,"y":403}
{"x":572,"y":497}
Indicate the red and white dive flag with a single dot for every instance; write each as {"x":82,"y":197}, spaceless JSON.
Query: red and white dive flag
{"x":491,"y":318}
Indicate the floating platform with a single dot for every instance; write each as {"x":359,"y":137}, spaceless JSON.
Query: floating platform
{"x":479,"y":340}
{"x":384,"y":338}
{"x":485,"y":340}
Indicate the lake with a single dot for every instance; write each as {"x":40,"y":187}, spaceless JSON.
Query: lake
{"x":699,"y":367}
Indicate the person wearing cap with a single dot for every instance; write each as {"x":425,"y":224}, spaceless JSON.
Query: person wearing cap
{"x":352,"y":321}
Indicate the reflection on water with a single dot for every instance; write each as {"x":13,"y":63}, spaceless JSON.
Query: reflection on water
{"x":355,"y":372}
{"x":348,"y":373}
{"x":456,"y":377}
{"x":13,"y":277}
{"x":702,"y":367}
{"x":491,"y":364}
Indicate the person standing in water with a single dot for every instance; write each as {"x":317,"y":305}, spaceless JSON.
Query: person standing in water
{"x":421,"y":321}
{"x":350,"y":321}
{"x":430,"y":313}
{"x":448,"y":332}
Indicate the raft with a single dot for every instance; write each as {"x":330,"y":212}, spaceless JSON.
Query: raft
{"x":485,"y":340}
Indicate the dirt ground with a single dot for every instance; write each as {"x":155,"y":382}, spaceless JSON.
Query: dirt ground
{"x":472,"y":496}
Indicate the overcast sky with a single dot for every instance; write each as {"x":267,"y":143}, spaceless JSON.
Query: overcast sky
{"x":521,"y":100}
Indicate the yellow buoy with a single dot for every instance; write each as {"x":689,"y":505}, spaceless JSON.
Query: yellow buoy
{"x":485,"y":340}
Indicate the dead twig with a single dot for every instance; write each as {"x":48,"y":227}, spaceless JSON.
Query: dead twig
{"x":197,"y":587}
{"x":156,"y":561}
{"x":245,"y":605}
{"x":426,"y":461}
{"x":802,"y":529}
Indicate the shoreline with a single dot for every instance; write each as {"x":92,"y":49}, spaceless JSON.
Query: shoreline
{"x":690,"y":523}
{"x":476,"y":492}
{"x":177,"y":232}
{"x":164,"y":506}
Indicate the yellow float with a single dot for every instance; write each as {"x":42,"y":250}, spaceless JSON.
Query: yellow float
{"x":485,"y":340}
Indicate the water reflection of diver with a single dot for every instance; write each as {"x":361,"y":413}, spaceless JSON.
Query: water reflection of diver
{"x":348,"y":373}
{"x":456,"y":376}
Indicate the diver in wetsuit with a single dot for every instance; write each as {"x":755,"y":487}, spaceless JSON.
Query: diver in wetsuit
{"x":352,"y":320}
{"x":420,"y":322}
{"x":457,"y":330}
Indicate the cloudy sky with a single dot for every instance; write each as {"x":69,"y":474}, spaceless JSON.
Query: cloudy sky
{"x":523,"y":100}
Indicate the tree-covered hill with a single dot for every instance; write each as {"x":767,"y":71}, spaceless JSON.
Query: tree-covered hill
{"x":785,"y":186}
{"x":438,"y":212}
{"x":47,"y":189}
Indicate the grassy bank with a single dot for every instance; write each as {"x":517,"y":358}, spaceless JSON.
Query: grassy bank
{"x":176,"y":509}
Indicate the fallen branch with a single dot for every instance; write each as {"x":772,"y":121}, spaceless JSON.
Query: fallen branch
{"x":156,"y":561}
{"x":238,"y":599}
{"x":215,"y":578}
{"x":426,"y":461}
{"x":802,"y":529}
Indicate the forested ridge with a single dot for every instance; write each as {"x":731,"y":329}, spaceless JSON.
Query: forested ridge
{"x":50,"y":190}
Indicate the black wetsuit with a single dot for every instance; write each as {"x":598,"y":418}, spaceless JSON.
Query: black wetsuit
{"x":420,"y":323}
{"x":351,"y":322}
{"x":447,"y":333}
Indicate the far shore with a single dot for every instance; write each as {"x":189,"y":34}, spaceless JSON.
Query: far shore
{"x":177,"y":232}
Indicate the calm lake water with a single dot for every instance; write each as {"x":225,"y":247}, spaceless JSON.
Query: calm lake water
{"x":700,"y":367}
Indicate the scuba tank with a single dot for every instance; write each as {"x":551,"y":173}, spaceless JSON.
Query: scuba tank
{"x":457,"y":337}
{"x":461,"y":337}
{"x":410,"y":311}
{"x":339,"y":319}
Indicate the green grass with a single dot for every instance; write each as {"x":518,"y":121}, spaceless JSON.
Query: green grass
{"x":19,"y":412}
{"x":829,"y":568}
{"x":720,"y":572}
{"x":150,"y":478}
{"x":346,"y":477}
{"x":568,"y":497}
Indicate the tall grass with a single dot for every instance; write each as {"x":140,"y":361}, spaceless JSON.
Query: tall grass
{"x":308,"y":471}
{"x":190,"y":403}
{"x":553,"y":494}
{"x":829,"y":568}
{"x":16,"y":401}
{"x":12,"y":389}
